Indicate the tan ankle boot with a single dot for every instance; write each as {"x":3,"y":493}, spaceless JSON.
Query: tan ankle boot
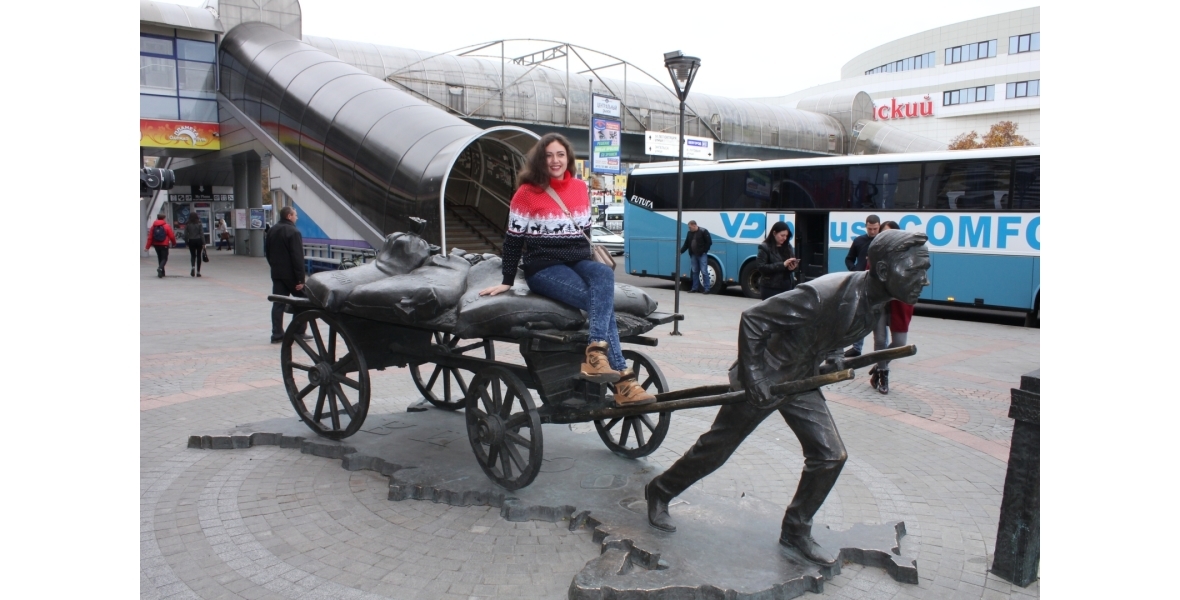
{"x":628,"y":392}
{"x":597,"y":367}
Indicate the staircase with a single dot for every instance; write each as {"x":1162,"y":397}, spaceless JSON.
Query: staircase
{"x":468,"y":229}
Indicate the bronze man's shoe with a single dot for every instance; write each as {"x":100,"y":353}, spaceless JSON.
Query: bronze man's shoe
{"x":808,"y":547}
{"x":628,"y":392}
{"x":657,"y":508}
{"x":597,"y":367}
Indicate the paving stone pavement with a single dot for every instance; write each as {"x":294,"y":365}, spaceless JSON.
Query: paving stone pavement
{"x":268,"y":522}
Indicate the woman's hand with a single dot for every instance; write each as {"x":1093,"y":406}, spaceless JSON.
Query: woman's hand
{"x":494,"y":290}
{"x":791,"y":263}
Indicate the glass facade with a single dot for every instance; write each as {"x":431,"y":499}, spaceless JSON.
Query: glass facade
{"x":970,"y":52}
{"x":1029,"y":42}
{"x":177,"y":79}
{"x":921,"y":61}
{"x":1024,"y":89}
{"x":983,"y":93}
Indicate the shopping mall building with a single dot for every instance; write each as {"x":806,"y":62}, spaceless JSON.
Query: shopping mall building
{"x":948,"y":80}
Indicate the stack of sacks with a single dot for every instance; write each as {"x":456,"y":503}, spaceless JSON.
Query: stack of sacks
{"x":425,"y":297}
{"x":401,"y":253}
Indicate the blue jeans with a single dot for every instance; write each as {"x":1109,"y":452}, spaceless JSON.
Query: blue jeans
{"x":699,"y":271}
{"x":589,"y":286}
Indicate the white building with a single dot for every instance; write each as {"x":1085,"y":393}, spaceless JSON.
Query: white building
{"x":949,"y":80}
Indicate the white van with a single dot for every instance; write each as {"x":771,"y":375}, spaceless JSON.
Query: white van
{"x":614,"y":217}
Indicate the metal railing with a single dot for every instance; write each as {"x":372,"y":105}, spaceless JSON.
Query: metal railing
{"x":326,"y":257}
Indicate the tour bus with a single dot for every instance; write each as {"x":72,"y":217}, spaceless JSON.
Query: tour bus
{"x":980,"y":209}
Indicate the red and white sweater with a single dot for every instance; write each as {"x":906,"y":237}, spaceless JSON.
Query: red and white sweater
{"x":538,"y":227}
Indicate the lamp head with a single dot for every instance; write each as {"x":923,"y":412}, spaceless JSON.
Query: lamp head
{"x":683,"y":70}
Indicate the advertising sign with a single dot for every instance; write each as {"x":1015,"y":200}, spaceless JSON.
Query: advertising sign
{"x":257,"y":218}
{"x":607,"y":107}
{"x":664,"y":144}
{"x":606,"y":146}
{"x":179,"y":134}
{"x":240,"y":220}
{"x":907,"y":107}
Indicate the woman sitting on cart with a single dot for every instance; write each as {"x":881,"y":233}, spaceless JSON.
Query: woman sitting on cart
{"x":547,"y":221}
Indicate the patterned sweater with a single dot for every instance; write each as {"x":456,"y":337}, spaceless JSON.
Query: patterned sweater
{"x":538,"y":227}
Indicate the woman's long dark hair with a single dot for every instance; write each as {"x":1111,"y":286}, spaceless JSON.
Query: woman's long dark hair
{"x":774,"y":229}
{"x":193,"y":218}
{"x":535,"y":170}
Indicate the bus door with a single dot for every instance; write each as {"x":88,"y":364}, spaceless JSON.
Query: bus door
{"x":811,"y":244}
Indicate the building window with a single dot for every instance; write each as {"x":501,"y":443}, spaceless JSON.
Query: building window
{"x":984,"y":93}
{"x":1024,"y":89}
{"x":921,"y":61}
{"x":157,"y":75}
{"x":177,"y":79}
{"x":155,"y":45}
{"x":970,"y":52}
{"x":1029,"y":42}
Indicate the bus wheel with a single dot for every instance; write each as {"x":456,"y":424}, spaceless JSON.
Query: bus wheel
{"x":1033,"y":319}
{"x":715,"y":277}
{"x":751,"y":281}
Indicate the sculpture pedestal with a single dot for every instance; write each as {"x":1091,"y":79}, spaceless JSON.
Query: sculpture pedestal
{"x":1018,"y":540}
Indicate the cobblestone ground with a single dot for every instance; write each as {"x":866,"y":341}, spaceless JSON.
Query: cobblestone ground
{"x":273,"y":523}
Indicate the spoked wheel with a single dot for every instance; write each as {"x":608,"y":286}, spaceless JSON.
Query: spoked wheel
{"x":504,"y":428}
{"x":446,"y":387}
{"x":640,"y":435}
{"x":316,"y":372}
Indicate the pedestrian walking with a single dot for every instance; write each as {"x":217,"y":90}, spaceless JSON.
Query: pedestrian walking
{"x":222,"y":234}
{"x":858,"y":256}
{"x":161,"y":237}
{"x":697,"y":244}
{"x":894,"y":323}
{"x":284,"y":254}
{"x":549,"y":221}
{"x":776,"y":261}
{"x":194,"y":240}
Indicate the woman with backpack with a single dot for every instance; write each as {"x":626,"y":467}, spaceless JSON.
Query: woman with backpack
{"x":194,"y":238}
{"x":160,"y":237}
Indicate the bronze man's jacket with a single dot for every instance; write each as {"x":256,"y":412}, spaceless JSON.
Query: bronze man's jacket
{"x":787,"y":336}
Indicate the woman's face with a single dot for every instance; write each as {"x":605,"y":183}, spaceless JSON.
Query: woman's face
{"x":556,"y":159}
{"x":780,"y":238}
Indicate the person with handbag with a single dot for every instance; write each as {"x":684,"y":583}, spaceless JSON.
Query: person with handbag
{"x":776,"y":261}
{"x":194,"y":239}
{"x":548,"y":224}
{"x":222,"y":234}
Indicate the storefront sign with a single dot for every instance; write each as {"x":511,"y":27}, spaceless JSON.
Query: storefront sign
{"x":606,"y":146}
{"x":664,"y":144}
{"x":179,"y":134}
{"x":908,"y":107}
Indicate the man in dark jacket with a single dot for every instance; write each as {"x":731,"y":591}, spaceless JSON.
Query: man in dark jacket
{"x":858,"y":255}
{"x":784,"y":338}
{"x":284,"y":253}
{"x":697,"y":244}
{"x":160,"y":236}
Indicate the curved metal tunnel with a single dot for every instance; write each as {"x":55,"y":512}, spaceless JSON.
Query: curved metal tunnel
{"x":388,"y":155}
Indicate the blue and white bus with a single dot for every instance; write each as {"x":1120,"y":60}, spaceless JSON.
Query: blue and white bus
{"x":980,"y":208}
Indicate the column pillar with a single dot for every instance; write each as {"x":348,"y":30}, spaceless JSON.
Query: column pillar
{"x":241,"y":193}
{"x":254,"y":189}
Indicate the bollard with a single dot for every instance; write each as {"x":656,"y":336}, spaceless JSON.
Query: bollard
{"x":1018,"y":540}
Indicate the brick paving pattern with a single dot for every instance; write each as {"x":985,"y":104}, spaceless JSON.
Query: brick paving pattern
{"x":267,"y":522}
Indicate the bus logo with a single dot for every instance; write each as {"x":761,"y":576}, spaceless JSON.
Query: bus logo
{"x":644,"y":202}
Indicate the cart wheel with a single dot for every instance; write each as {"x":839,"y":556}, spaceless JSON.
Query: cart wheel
{"x":504,"y":428}
{"x":446,"y":387}
{"x":320,"y":368}
{"x":638,"y":436}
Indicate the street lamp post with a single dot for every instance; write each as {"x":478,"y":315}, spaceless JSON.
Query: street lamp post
{"x":683,"y":70}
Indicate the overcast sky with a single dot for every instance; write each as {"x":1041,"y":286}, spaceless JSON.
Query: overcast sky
{"x":747,"y":49}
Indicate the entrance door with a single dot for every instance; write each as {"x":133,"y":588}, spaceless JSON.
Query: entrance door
{"x":206,"y":222}
{"x":811,"y":244}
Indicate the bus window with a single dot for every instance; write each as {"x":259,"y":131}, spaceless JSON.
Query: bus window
{"x":747,"y":189}
{"x":1026,"y":188}
{"x":885,"y":186}
{"x":967,"y":185}
{"x":816,"y":187}
{"x":701,"y":191}
{"x":659,"y":189}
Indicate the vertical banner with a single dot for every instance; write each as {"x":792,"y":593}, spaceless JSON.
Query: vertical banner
{"x":257,"y":218}
{"x":606,"y":135}
{"x":240,"y":220}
